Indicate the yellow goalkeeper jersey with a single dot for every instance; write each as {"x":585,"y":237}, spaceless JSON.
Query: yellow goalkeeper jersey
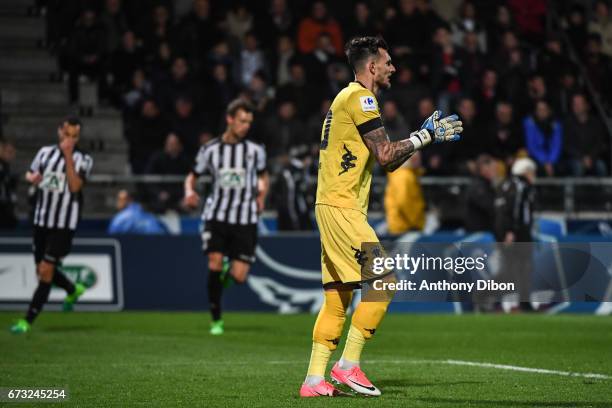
{"x":345,"y":163}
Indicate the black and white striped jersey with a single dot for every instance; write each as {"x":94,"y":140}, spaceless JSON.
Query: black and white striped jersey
{"x":56,"y":206}
{"x":234,"y":169}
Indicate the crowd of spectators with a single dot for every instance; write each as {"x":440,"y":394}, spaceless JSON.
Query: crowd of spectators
{"x":172,"y":66}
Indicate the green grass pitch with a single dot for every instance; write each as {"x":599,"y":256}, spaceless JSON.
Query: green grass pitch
{"x":169,"y":360}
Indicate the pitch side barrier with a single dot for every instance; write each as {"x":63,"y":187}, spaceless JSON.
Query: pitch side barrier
{"x":570,"y":273}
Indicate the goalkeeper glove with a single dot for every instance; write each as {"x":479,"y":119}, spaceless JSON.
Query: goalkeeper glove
{"x":436,"y":130}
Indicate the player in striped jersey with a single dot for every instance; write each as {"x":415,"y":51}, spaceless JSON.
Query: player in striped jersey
{"x":231,"y":211}
{"x":59,"y":172}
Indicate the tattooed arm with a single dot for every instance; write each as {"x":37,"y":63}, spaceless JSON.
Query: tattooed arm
{"x":391,"y":155}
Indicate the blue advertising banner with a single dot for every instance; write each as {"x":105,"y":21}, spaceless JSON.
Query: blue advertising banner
{"x":170,"y":273}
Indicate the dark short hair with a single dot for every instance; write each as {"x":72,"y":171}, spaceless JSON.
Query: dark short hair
{"x":239,"y":104}
{"x":72,"y":121}
{"x":359,"y":49}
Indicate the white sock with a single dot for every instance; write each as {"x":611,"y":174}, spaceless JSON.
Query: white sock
{"x":347,"y":365}
{"x":313,"y":380}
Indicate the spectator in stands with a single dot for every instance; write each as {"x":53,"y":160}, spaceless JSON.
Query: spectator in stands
{"x":468,"y":23}
{"x":486,"y":95}
{"x":285,"y":50}
{"x":318,"y":61}
{"x":598,"y":67}
{"x":218,"y":93}
{"x":305,"y":96}
{"x":133,"y":98}
{"x":124,"y":62}
{"x":566,"y":88}
{"x":146,"y":136}
{"x":502,"y":54}
{"x":221,"y":53}
{"x":169,"y":161}
{"x":438,"y":161}
{"x":588,"y":137}
{"x":552,"y":61}
{"x":480,"y":196}
{"x":258,"y":92}
{"x":133,"y":219}
{"x":180,"y":83}
{"x":87,"y":50}
{"x":187,"y":125}
{"x":431,"y":20}
{"x":157,"y":29}
{"x":251,"y":58}
{"x":407,"y":91}
{"x":530,"y":16}
{"x":576,"y":27}
{"x":406,"y":31}
{"x":395,"y":124}
{"x":160,"y":64}
{"x":115,"y":23}
{"x":446,"y":69}
{"x":474,"y":142}
{"x":238,"y":21}
{"x":8,"y":186}
{"x":536,"y":91}
{"x":404,"y":201}
{"x":362,"y":23}
{"x":512,"y":78}
{"x":502,"y":23}
{"x":278,"y":21}
{"x":473,"y":61}
{"x":543,"y":138}
{"x":504,"y":135}
{"x":602,"y":25}
{"x":284,"y":131}
{"x":198,"y":31}
{"x":318,"y":22}
{"x":314,"y":124}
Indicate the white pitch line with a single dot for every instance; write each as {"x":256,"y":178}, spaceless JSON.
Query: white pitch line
{"x":527,"y":369}
{"x":483,"y":365}
{"x":498,"y":367}
{"x":304,"y":362}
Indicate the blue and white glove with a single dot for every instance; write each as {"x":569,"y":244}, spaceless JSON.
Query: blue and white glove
{"x":436,"y":130}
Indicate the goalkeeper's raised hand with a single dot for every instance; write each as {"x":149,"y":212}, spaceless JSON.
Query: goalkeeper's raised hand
{"x":436,"y":130}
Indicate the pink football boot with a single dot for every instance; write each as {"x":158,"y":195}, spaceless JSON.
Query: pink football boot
{"x":322,"y":389}
{"x":355,"y":379}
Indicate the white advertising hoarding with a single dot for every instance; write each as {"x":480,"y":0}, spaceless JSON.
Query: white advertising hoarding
{"x":94,"y":262}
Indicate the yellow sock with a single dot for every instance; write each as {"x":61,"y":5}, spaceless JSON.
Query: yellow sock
{"x":354,"y":345}
{"x":318,"y":359}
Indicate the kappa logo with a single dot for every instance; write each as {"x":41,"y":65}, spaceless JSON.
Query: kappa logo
{"x":347,"y":161}
{"x":335,"y":341}
{"x":371,"y":331}
{"x":360,"y":256}
{"x":368,"y":103}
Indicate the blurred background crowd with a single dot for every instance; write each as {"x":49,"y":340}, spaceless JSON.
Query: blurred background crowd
{"x":527,"y":77}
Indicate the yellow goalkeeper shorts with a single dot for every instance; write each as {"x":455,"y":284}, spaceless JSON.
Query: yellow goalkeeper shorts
{"x":343,"y":231}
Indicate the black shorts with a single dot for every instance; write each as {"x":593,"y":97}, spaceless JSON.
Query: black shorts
{"x":233,"y":240}
{"x":51,"y":244}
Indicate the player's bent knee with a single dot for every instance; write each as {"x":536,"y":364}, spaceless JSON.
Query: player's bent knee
{"x":215,"y":262}
{"x":328,"y":327}
{"x":240,"y":271}
{"x":367,"y":317}
{"x":45,"y":271}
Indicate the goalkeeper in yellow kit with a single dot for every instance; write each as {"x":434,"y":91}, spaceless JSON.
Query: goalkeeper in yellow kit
{"x":352,"y":138}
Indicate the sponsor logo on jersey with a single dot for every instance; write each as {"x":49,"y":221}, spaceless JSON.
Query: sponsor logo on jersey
{"x":368,"y":103}
{"x":53,"y":181}
{"x":232,"y":178}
